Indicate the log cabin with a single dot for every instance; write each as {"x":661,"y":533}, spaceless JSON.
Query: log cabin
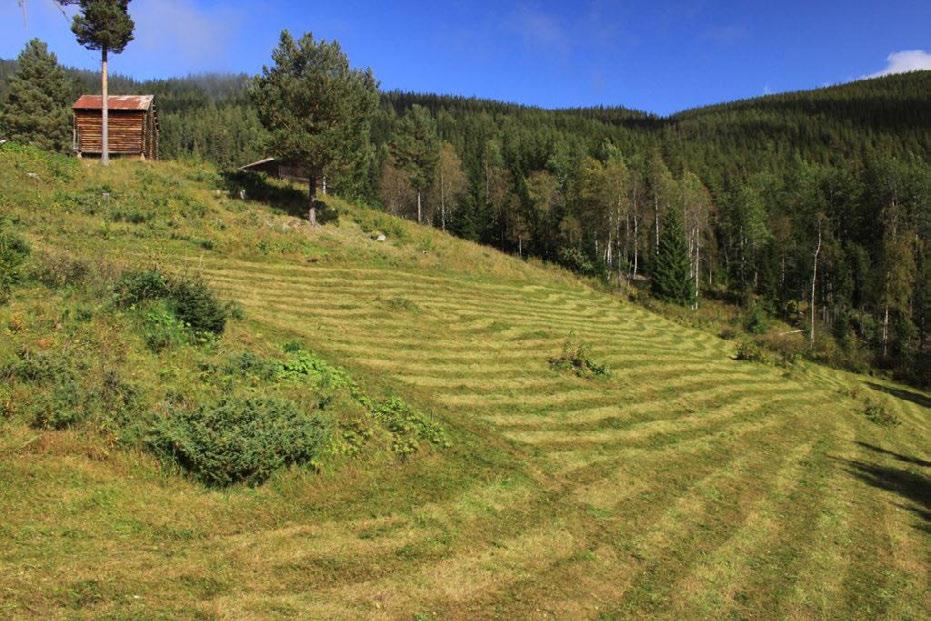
{"x":133,"y":122}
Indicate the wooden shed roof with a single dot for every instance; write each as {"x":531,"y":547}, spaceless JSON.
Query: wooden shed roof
{"x":114,"y":102}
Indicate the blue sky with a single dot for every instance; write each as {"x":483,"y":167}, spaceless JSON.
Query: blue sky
{"x":656,"y":56}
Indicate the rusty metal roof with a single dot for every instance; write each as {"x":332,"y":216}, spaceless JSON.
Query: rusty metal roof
{"x":114,"y":102}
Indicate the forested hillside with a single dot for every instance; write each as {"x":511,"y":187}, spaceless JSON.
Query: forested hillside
{"x":810,"y":207}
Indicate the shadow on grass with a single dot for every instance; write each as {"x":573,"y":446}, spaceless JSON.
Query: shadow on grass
{"x":907,"y":459}
{"x":911,"y":486}
{"x":901,"y":393}
{"x":279,"y":195}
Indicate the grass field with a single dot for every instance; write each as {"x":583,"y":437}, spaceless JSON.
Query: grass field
{"x":685,"y":484}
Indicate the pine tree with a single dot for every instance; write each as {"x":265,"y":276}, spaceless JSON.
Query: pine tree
{"x":35,"y":107}
{"x":671,"y":275}
{"x":317,"y":109}
{"x":103,"y":25}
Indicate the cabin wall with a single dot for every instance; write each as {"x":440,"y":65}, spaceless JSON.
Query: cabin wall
{"x":126,"y":131}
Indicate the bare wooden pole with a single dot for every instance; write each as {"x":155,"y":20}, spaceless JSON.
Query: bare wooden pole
{"x":104,"y":109}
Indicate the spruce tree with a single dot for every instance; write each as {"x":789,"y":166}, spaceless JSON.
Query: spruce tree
{"x":671,"y":278}
{"x":35,"y":107}
{"x":416,"y":148}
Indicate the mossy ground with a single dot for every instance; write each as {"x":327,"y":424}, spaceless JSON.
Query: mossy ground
{"x":684,"y":484}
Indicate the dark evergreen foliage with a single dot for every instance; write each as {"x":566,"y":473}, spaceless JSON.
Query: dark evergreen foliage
{"x":240,"y":440}
{"x":35,"y":105}
{"x":102,"y":24}
{"x":671,"y":280}
{"x":13,"y":253}
{"x":318,"y":110}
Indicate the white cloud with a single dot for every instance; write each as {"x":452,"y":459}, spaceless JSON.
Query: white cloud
{"x":902,"y":62}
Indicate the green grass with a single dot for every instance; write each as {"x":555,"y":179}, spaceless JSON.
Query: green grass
{"x":684,"y":484}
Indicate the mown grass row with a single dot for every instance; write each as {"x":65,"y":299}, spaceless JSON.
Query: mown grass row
{"x":684,"y":484}
{"x":731,"y":462}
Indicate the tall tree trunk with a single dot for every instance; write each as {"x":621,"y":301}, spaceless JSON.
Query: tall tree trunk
{"x":814,"y":279}
{"x":636,"y":244}
{"x":419,"y":210}
{"x":442,"y":201}
{"x":697,"y":264}
{"x":656,"y":225}
{"x":312,"y":201}
{"x":886,"y":331}
{"x":104,"y":109}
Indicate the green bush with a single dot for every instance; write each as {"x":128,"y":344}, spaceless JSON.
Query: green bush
{"x":58,"y":408}
{"x":880,"y":415}
{"x":36,"y":368}
{"x":240,"y":440}
{"x":57,"y":270}
{"x":189,"y":299}
{"x":756,"y":321}
{"x":161,"y":330}
{"x":575,"y":357}
{"x":196,"y":305}
{"x":136,"y":287}
{"x":575,"y":260}
{"x":407,"y":426}
{"x":13,"y":253}
{"x":751,"y":352}
{"x":119,"y":402}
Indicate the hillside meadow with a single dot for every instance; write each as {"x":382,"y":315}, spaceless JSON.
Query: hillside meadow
{"x":498,"y":439}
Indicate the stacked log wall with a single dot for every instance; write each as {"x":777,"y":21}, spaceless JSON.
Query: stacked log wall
{"x":126,"y":131}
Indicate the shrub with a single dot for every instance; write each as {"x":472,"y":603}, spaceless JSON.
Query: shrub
{"x":13,"y":253}
{"x":132,"y":215}
{"x":575,"y":260}
{"x":161,"y":329}
{"x":728,"y":333}
{"x":56,"y":270}
{"x":196,"y":305}
{"x":407,"y":426}
{"x":751,"y":352}
{"x":58,"y":408}
{"x":120,"y":402}
{"x":36,"y":368}
{"x":306,"y":367}
{"x":239,"y":440}
{"x":880,"y":415}
{"x":189,"y":299}
{"x":756,"y":320}
{"x":399,"y":303}
{"x":575,"y":357}
{"x":136,"y":287}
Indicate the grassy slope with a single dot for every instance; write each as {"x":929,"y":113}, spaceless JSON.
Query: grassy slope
{"x":686,"y":484}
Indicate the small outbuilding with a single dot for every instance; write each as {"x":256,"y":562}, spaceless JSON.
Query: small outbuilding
{"x":133,"y":124}
{"x":278,"y":169}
